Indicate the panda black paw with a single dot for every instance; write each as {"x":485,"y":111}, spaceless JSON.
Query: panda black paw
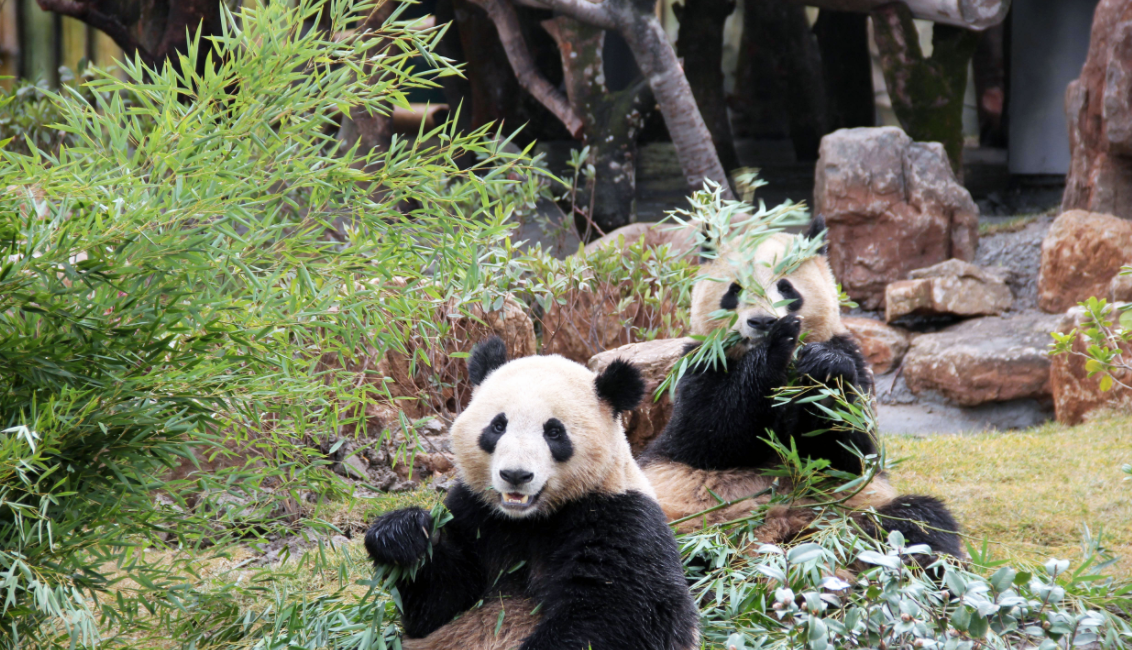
{"x":400,"y":537}
{"x":827,"y":365}
{"x":785,"y":332}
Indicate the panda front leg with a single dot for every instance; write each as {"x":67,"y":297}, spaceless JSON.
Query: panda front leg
{"x":448,"y":581}
{"x":838,"y":360}
{"x":765,"y":366}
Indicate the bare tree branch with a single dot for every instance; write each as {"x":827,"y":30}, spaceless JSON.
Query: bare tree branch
{"x":507,"y":24}
{"x":592,"y":13}
{"x":87,"y":12}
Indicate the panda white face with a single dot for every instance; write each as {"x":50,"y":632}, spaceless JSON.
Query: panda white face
{"x":757,"y":314}
{"x":525,"y":451}
{"x":542,"y":431}
{"x":809,"y":292}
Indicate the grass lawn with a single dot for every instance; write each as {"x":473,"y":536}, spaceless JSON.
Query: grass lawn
{"x":1030,"y":493}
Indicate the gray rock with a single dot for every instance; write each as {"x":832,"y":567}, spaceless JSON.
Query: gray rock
{"x":982,"y":360}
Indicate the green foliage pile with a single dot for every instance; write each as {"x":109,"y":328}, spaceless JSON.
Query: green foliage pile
{"x":841,"y":589}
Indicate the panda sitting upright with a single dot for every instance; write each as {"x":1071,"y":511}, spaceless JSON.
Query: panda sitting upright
{"x":714,"y":445}
{"x":556,"y":540}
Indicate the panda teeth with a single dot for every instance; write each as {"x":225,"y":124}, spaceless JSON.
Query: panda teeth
{"x":516,"y":499}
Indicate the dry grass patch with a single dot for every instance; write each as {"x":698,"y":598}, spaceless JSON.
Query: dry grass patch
{"x":1031,"y":493}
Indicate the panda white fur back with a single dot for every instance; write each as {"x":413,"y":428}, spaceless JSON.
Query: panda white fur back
{"x":713,"y":444}
{"x":553,"y":525}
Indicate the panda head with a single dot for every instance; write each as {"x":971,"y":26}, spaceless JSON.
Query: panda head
{"x":542,"y":431}
{"x":808,"y":291}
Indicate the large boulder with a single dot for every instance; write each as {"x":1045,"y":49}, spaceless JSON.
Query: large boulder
{"x":884,"y":346}
{"x":953,"y":287}
{"x":1081,"y":254}
{"x":892,"y":206}
{"x":1099,"y":107}
{"x":654,"y":359}
{"x":1075,"y":393}
{"x":982,"y":360}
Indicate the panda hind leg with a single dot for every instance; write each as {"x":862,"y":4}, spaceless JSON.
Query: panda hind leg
{"x":475,"y":629}
{"x":922,"y":520}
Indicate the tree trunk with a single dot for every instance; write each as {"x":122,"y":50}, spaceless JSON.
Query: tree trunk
{"x":926,"y":93}
{"x":781,"y":75}
{"x":700,"y":44}
{"x":154,"y":30}
{"x":638,"y":23}
{"x":843,"y":39}
{"x":457,"y":90}
{"x":612,"y":121}
{"x":989,"y":67}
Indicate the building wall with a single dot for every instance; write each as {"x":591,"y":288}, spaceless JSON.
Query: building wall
{"x":1049,"y":43}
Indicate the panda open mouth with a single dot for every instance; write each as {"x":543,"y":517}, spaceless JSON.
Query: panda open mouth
{"x":518,"y":502}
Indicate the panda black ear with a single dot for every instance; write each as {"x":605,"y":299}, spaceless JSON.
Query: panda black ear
{"x":488,"y":355}
{"x":817,"y":229}
{"x":620,"y":385}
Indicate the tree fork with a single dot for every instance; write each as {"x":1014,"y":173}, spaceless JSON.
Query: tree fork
{"x":926,"y":93}
{"x":700,"y":44}
{"x":502,"y":14}
{"x":612,"y":122}
{"x":638,"y":24}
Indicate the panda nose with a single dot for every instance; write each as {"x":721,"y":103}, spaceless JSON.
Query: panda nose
{"x":761,"y":322}
{"x":516,"y":477}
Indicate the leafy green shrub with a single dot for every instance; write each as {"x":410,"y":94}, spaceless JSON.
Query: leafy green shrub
{"x":1106,"y":337}
{"x":601,"y":299}
{"x":170,"y":277}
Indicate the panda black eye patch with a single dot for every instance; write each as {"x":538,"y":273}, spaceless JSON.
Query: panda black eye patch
{"x":492,"y":433}
{"x":730,"y":299}
{"x":788,"y":292}
{"x":554,"y":432}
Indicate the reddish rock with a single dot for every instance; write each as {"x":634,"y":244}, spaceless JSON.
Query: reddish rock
{"x":953,"y":287}
{"x":1075,"y":393}
{"x":892,"y":206}
{"x":1120,"y":289}
{"x":654,"y":359}
{"x":990,"y":359}
{"x":883,"y":345}
{"x":1080,"y":255}
{"x":1098,"y":105}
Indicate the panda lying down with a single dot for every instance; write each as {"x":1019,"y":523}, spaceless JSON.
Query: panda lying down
{"x":553,"y":523}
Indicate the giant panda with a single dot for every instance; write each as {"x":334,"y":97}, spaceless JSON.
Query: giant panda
{"x":713,"y":446}
{"x":554,"y":527}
